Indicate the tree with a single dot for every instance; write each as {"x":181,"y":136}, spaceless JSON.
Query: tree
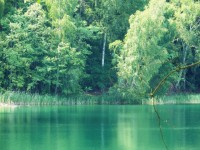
{"x":115,"y":15}
{"x":72,"y":32}
{"x":186,"y":18}
{"x":145,"y":51}
{"x":111,"y":20}
{"x":51,"y":56}
{"x":25,"y":47}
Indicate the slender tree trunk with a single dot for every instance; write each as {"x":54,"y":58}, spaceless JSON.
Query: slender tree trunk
{"x":82,"y":7}
{"x":103,"y":56}
{"x":95,"y":3}
{"x":57,"y":67}
{"x":49,"y":88}
{"x":57,"y":77}
{"x":57,"y":70}
{"x":103,"y":50}
{"x":57,"y":73}
{"x":1,"y":8}
{"x":195,"y":68}
{"x":182,"y":73}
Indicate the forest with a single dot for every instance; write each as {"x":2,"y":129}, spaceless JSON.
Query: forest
{"x":119,"y":47}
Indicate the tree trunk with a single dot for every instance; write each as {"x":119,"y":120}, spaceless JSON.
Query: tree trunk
{"x":103,"y":50}
{"x":95,"y":3}
{"x":56,"y":88}
{"x":82,"y":7}
{"x":1,"y":8}
{"x":57,"y":73}
{"x":184,"y":62}
{"x":182,"y":73}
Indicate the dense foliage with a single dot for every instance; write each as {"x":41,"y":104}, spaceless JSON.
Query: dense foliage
{"x":162,"y":37}
{"x":70,"y":46}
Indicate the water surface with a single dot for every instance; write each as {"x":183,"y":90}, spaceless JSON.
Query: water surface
{"x":99,"y":128}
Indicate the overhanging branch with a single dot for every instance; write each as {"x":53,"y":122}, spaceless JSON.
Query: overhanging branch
{"x":170,"y":73}
{"x":157,"y":88}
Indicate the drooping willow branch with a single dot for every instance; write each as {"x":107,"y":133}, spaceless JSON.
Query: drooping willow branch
{"x":157,"y":88}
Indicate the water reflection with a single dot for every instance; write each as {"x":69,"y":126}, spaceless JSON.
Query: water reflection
{"x":99,"y":128}
{"x":126,"y":132}
{"x":182,"y":129}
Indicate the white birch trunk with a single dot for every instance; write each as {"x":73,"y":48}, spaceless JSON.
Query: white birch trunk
{"x":103,"y":50}
{"x":182,"y":73}
{"x":95,"y":3}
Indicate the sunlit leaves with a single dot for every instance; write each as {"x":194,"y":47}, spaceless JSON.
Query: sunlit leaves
{"x":187,"y":21}
{"x":142,"y":55}
{"x":157,"y":36}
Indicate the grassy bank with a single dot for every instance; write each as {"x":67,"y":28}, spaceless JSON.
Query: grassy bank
{"x":176,"y":99}
{"x":22,"y":98}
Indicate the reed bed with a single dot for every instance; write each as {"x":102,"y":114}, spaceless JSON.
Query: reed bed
{"x":15,"y":98}
{"x":176,"y":99}
{"x":23,"y":98}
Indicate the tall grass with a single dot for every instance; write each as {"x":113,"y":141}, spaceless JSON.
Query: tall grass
{"x":22,"y":98}
{"x":179,"y":99}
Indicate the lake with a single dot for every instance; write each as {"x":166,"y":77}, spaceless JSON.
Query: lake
{"x":99,"y":127}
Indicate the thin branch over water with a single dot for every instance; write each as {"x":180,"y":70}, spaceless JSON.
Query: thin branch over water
{"x":158,"y":87}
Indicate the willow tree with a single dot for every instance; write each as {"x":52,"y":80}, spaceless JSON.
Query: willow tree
{"x":143,"y":54}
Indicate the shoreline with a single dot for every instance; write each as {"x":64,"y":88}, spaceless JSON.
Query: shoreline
{"x":172,"y":103}
{"x":15,"y":99}
{"x":13,"y":105}
{"x":6,"y":105}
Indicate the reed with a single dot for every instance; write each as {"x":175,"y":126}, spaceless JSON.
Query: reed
{"x":178,"y":99}
{"x":23,"y":98}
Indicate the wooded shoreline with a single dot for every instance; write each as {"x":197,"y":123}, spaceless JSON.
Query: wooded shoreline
{"x":129,"y":50}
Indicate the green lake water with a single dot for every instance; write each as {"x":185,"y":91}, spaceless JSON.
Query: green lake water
{"x":99,"y":128}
